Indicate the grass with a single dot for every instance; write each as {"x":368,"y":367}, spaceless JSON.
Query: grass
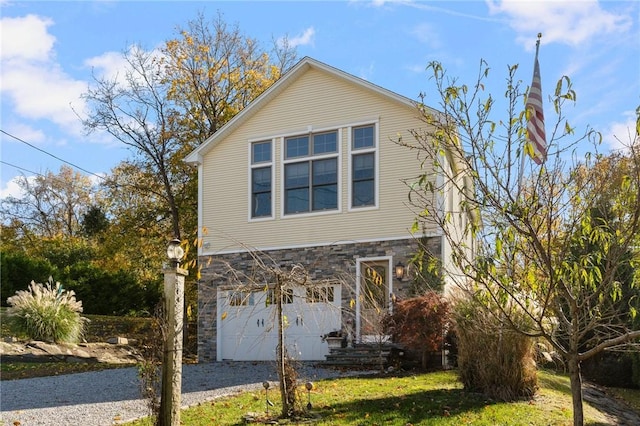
{"x":423,"y":399}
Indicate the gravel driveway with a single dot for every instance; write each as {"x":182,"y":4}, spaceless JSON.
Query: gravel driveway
{"x":113,"y":396}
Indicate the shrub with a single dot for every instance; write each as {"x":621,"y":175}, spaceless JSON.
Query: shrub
{"x":14,"y":266}
{"x":492,"y":358}
{"x":111,"y":292}
{"x":46,"y":312}
{"x":419,"y":324}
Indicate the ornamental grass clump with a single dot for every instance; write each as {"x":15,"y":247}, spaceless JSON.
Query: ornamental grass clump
{"x":493,"y":358}
{"x":46,"y":312}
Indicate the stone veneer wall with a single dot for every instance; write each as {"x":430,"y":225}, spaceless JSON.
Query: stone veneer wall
{"x":322,"y":262}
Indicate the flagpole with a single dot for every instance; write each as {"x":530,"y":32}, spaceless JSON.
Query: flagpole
{"x":523,"y":153}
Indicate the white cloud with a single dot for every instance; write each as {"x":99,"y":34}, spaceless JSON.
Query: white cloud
{"x":567,"y":22}
{"x":13,"y":189}
{"x":26,"y":38}
{"x":109,"y":65}
{"x":114,"y":66}
{"x":382,"y":3}
{"x":427,"y":35}
{"x":26,"y":132}
{"x":621,"y":134}
{"x":41,"y":92}
{"x":303,"y":39}
{"x":36,"y":85}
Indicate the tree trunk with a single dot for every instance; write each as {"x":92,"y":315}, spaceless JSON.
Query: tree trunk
{"x":576,"y":391}
{"x":282,"y":370}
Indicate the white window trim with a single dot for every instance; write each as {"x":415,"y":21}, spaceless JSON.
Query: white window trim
{"x":283,"y":162}
{"x":376,"y":162}
{"x":250,"y":217}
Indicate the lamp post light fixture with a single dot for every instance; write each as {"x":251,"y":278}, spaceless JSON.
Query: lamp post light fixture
{"x":174,"y":251}
{"x":174,"y":319}
{"x":400,"y":271}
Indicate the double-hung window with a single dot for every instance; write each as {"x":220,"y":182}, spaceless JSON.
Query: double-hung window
{"x":311,"y":173}
{"x":363,"y":166}
{"x":261,"y":179}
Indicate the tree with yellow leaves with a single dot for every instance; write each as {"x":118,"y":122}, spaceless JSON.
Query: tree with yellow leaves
{"x":168,"y":101}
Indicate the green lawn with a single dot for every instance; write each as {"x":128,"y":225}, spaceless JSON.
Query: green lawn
{"x":423,"y":399}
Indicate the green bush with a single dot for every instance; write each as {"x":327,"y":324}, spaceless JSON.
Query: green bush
{"x":492,"y":358}
{"x":46,"y":312}
{"x":111,"y":292}
{"x":15,"y":266}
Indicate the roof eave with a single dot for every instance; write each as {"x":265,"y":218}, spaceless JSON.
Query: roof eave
{"x":195,"y":157}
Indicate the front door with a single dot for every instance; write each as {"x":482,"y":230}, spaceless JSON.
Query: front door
{"x":374,"y":292}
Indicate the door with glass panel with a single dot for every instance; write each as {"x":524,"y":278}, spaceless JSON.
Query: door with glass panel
{"x":373,"y":296}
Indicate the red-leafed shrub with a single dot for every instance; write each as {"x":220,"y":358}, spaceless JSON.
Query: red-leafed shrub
{"x":419,"y":323}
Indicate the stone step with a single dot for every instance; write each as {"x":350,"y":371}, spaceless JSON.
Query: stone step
{"x":359,"y":356}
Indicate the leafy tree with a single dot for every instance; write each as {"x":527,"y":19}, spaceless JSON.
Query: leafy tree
{"x":516,"y":222}
{"x":46,"y":257}
{"x":50,"y":205}
{"x":135,"y":110}
{"x":214,"y":71}
{"x":167,"y":103}
{"x":137,"y":220}
{"x":259,"y":271}
{"x":94,"y":221}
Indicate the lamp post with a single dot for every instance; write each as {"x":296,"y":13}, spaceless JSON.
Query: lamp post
{"x":172,"y":357}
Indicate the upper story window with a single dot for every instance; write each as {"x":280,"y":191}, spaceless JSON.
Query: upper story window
{"x":363,"y":166}
{"x":311,"y":173}
{"x":261,"y":179}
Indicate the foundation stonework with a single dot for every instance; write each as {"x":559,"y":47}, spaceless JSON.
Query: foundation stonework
{"x":322,"y":262}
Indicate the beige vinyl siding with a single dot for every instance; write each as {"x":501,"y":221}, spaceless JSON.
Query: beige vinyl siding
{"x":316,"y":100}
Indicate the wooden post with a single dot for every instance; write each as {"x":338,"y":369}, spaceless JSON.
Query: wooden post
{"x":172,"y":358}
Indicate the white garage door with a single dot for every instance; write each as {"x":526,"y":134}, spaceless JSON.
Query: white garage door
{"x":248,"y":328}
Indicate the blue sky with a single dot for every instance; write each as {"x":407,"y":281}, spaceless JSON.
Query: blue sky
{"x":49,"y":50}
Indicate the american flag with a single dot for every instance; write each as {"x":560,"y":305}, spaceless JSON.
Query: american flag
{"x":535,"y":125}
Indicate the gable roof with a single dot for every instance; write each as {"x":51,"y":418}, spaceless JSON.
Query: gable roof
{"x":285,"y":81}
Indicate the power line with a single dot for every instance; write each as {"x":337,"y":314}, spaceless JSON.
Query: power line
{"x":51,"y":155}
{"x":21,"y":168}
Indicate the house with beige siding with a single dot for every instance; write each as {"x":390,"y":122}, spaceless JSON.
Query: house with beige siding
{"x":309,"y":174}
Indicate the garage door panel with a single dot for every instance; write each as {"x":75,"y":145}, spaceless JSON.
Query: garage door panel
{"x":247,"y":327}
